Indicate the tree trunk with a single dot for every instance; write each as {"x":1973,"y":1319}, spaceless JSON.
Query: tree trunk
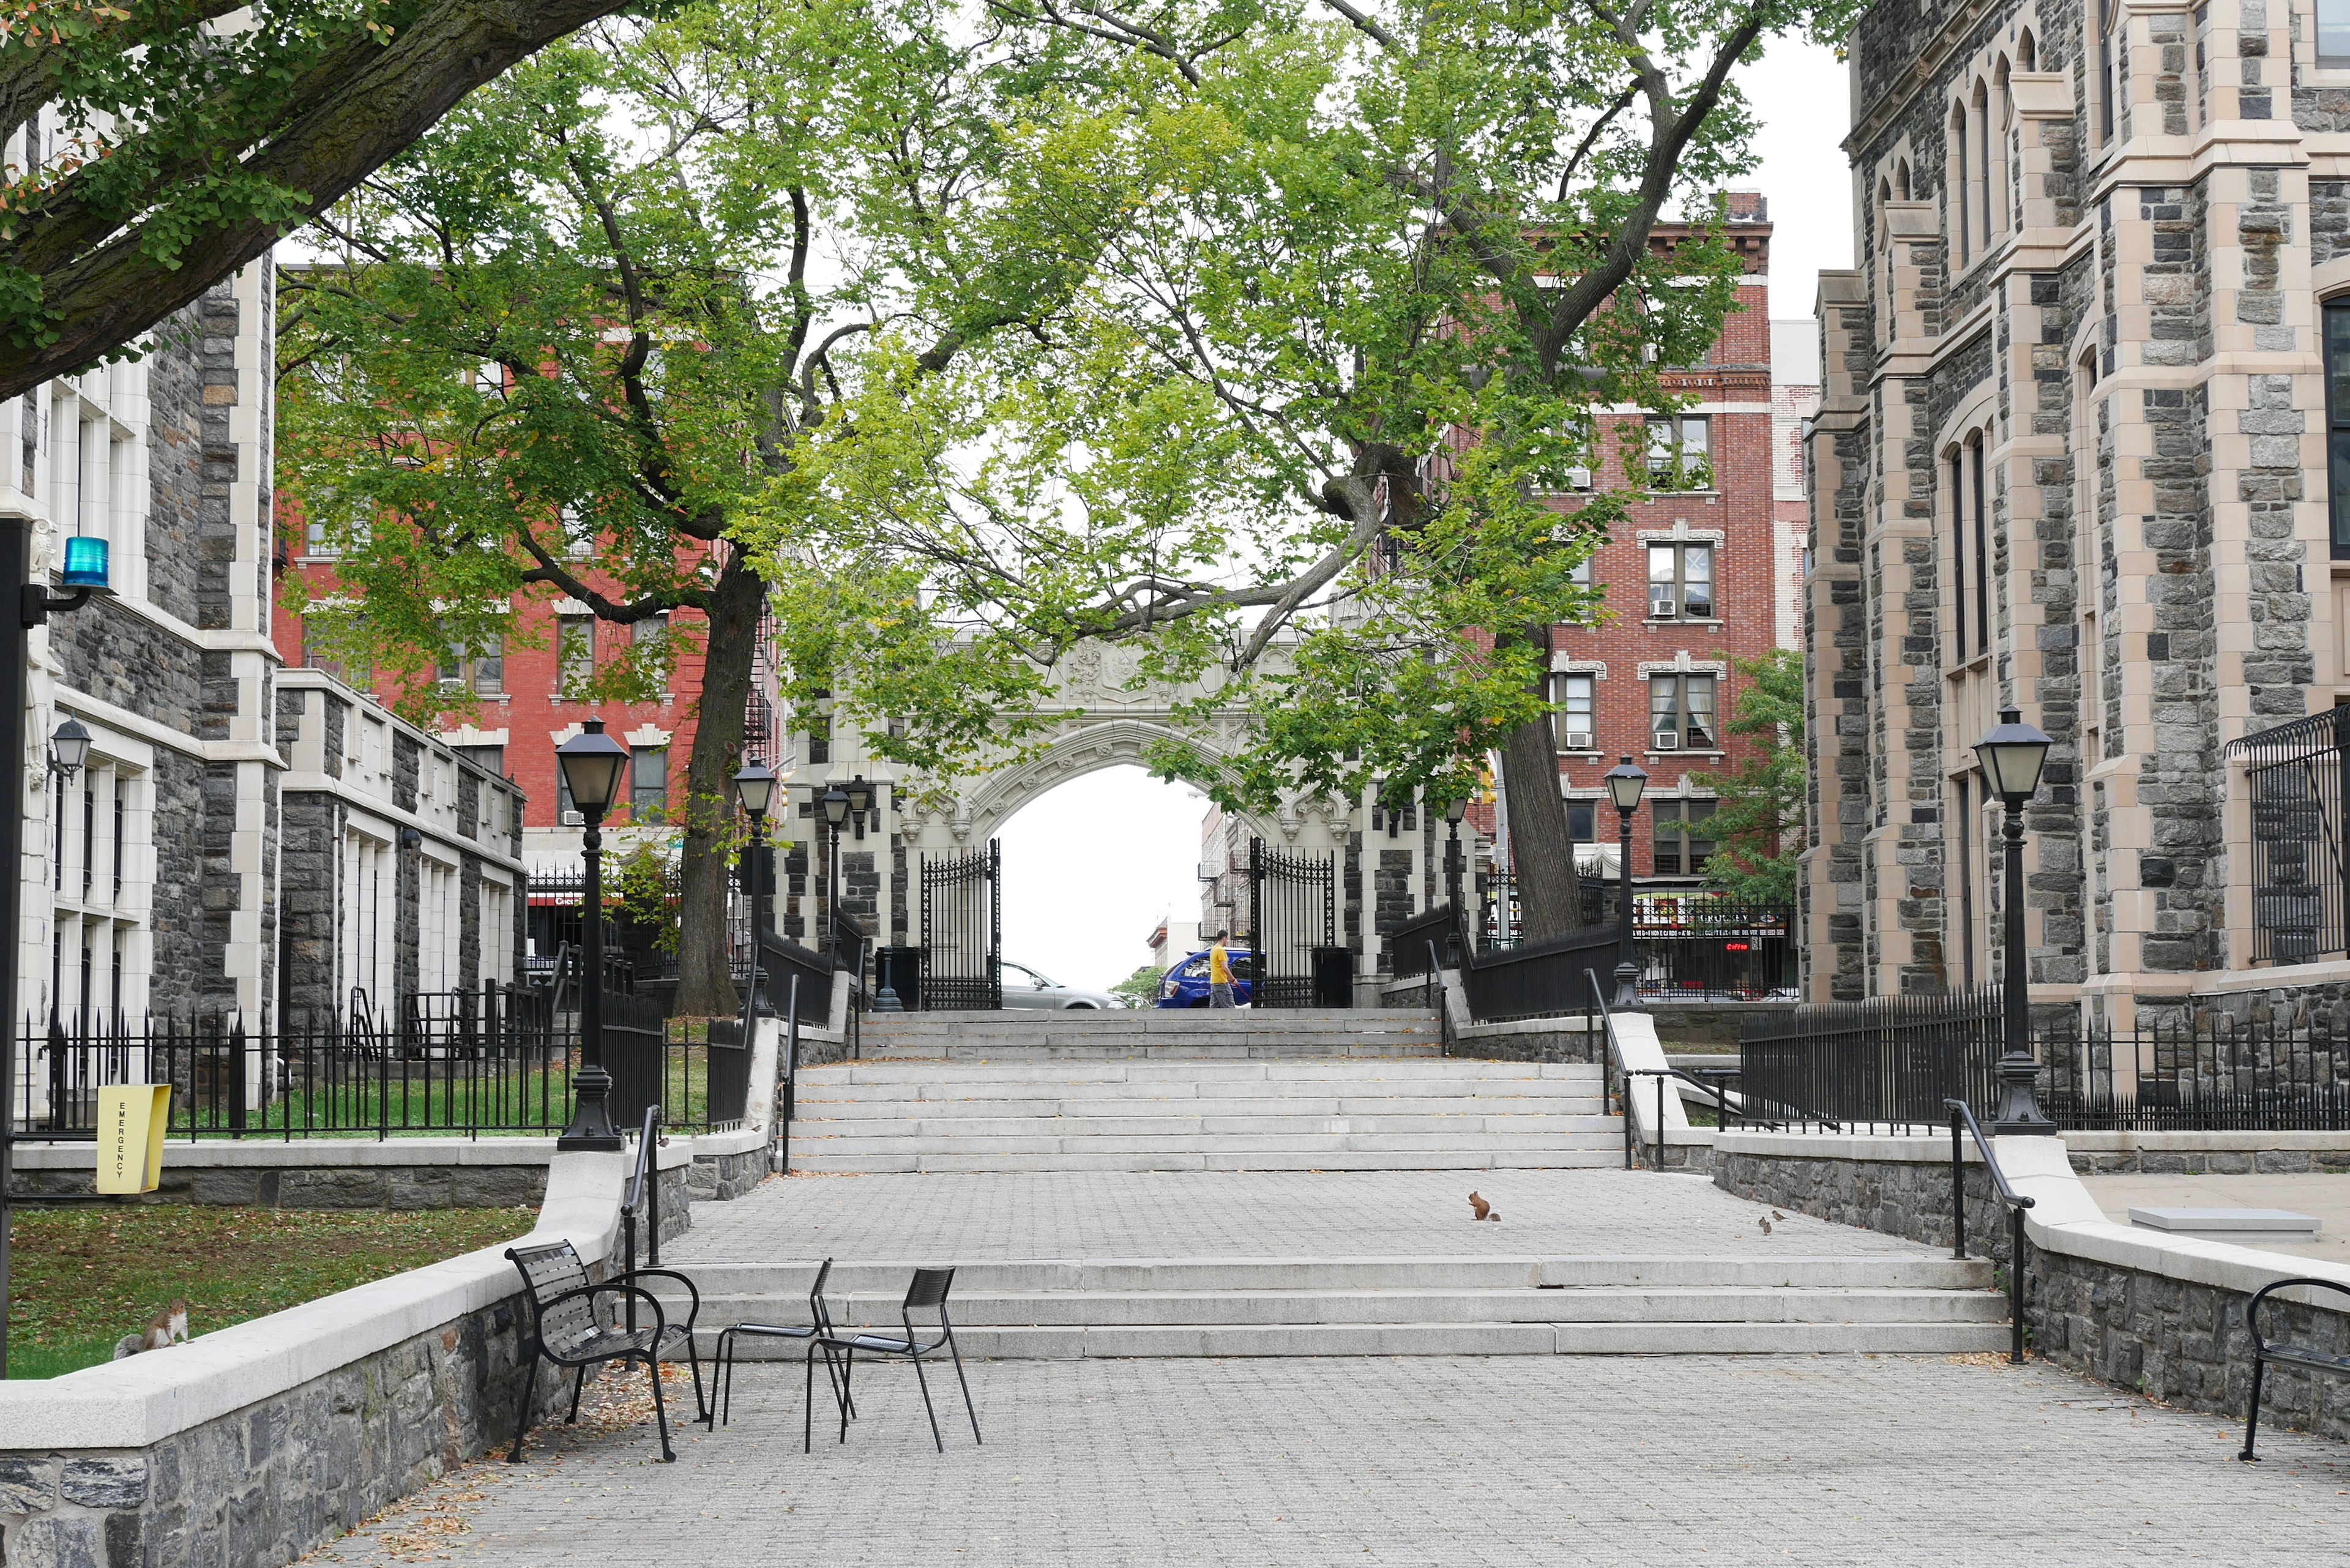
{"x":705,"y":987}
{"x":1542,"y":852}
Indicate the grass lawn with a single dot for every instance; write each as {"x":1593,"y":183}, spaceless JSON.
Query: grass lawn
{"x":82,"y":1277}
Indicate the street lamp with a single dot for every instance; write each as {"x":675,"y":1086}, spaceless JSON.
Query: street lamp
{"x":592,"y":762}
{"x":68,"y":749}
{"x":1626,"y":783}
{"x":1452,"y":867}
{"x":834,"y":803}
{"x":2012,"y":755}
{"x":754,"y":786}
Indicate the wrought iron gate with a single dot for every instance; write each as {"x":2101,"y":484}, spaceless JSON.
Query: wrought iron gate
{"x":1293,"y":910}
{"x":962,"y":930}
{"x":2297,"y":773}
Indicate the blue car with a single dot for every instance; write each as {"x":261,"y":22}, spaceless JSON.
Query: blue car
{"x":1185,"y":983}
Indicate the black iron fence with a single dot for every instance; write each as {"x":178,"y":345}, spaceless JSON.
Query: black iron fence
{"x":503,"y":1071}
{"x":2295,"y":774}
{"x":1889,"y":1064}
{"x":1689,"y":946}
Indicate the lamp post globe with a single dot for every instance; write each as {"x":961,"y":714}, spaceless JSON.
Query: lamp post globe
{"x":2014,"y":756}
{"x":68,"y":748}
{"x":1454,"y":862}
{"x":1626,"y":782}
{"x":592,"y":764}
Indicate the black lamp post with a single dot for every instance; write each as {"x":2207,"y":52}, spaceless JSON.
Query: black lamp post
{"x":1626,"y":783}
{"x":1452,"y":865}
{"x":592,"y":762}
{"x":835,"y":804}
{"x":754,"y":786}
{"x":2012,"y":755}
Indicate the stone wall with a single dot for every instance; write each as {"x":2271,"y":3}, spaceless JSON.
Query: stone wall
{"x":367,"y":1187}
{"x":726,"y":1177}
{"x":265,"y":1484}
{"x":1908,"y":1197}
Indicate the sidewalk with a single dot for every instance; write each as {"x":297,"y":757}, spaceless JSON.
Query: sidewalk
{"x":1663,"y":1461}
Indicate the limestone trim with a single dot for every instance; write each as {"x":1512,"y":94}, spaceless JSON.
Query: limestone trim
{"x":132,"y":725}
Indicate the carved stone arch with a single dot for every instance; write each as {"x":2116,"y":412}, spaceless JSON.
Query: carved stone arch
{"x":1083,"y":748}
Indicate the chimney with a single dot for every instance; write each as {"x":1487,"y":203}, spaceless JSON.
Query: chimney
{"x":1745,"y":207}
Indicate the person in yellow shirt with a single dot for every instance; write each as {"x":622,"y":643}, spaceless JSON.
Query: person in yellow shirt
{"x":1220,"y":973}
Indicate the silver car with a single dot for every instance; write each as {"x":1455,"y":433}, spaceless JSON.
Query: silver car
{"x":1023,"y":987}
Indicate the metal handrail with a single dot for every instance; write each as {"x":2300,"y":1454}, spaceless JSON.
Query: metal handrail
{"x":1961,"y":1115}
{"x":1443,"y":1014}
{"x":1611,"y":1055}
{"x":1721,"y":1100}
{"x":637,"y":1196}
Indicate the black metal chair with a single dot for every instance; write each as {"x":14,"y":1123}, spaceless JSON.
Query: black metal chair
{"x":2288,"y":1354}
{"x":819,"y":1324}
{"x":927,"y":1293}
{"x":565,"y":1330}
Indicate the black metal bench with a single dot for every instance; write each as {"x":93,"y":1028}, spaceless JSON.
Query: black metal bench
{"x":2263,"y":1351}
{"x":567,"y":1330}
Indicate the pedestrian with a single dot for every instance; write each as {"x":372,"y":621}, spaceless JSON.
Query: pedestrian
{"x":1220,"y":972}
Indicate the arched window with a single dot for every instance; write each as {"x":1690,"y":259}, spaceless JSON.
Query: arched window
{"x":1958,"y":180}
{"x":2026,"y":60}
{"x":1901,"y":179}
{"x":2000,"y":214}
{"x":1980,"y":116}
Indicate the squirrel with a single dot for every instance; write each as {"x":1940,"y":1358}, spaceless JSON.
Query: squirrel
{"x":168,"y":1326}
{"x":1481,"y":1209}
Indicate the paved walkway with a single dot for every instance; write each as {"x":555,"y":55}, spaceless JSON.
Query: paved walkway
{"x":1253,"y":1214}
{"x":1505,"y":1461}
{"x":2325,"y":1198}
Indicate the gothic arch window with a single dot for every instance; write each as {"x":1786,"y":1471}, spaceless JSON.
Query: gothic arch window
{"x":1968,"y":556}
{"x":2000,"y":214}
{"x":2107,"y":10}
{"x":2026,"y":58}
{"x":1979,"y":121}
{"x":1901,"y":179}
{"x":1958,"y":182}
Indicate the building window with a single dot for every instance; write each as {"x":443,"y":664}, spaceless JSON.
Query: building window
{"x":564,"y":808}
{"x":578,"y":535}
{"x":1680,"y":453}
{"x":649,"y":782}
{"x":1681,"y":850}
{"x":1681,"y":713}
{"x":1680,"y":582}
{"x":1576,"y":718}
{"x":2334,"y":32}
{"x":575,"y":653}
{"x":819,"y":736}
{"x":492,"y":759}
{"x":1580,"y":817}
{"x":1958,"y":560}
{"x":1982,"y":548}
{"x":483,"y":673}
{"x":2337,"y":414}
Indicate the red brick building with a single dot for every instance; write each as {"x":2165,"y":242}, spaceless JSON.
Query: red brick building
{"x":1691,"y":581}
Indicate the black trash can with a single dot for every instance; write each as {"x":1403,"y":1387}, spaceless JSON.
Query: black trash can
{"x":899,"y":969}
{"x":1334,"y":977}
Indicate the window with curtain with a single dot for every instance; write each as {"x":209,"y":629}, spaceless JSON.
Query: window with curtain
{"x":1681,"y":713}
{"x":1576,"y":720}
{"x":1681,"y":848}
{"x":480,"y":672}
{"x":1680,"y":582}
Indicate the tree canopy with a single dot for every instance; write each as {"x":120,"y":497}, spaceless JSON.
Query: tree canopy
{"x":185,"y":137}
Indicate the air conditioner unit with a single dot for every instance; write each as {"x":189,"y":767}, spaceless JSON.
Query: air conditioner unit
{"x":1578,"y":478}
{"x":1668,"y":741}
{"x":1578,"y":740}
{"x":574,"y":819}
{"x":451,"y":683}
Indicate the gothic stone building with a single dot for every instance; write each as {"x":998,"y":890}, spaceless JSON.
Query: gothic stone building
{"x":2071,"y":458}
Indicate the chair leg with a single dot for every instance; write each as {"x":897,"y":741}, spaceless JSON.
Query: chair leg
{"x":701,"y":1401}
{"x":660,"y":1411}
{"x":808,"y":1403}
{"x":722,"y":1380}
{"x":2253,"y":1414}
{"x":578,"y":1381}
{"x":849,"y":1371}
{"x":969,"y":1408}
{"x":521,"y":1423}
{"x":933,"y":1414}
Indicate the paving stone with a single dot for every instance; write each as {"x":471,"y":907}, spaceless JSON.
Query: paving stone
{"x":1663,"y":1461}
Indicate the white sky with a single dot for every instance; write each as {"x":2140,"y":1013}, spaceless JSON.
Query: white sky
{"x":1089,"y":868}
{"x":1804,"y":99}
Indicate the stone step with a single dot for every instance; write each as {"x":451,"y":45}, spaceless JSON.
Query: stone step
{"x":1304,"y":1070}
{"x":936,"y":1124}
{"x":1078,"y":1140}
{"x":811,"y":1104}
{"x":1206,"y":1309}
{"x":887,"y":1277}
{"x":1551,"y":1157}
{"x":1072,"y":1343}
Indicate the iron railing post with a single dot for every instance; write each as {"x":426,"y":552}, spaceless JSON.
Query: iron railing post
{"x":2015,"y":1282}
{"x":1957,"y":1194}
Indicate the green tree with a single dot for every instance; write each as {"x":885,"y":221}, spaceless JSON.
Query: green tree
{"x":1141,"y":989}
{"x":564,"y":341}
{"x":195,"y":133}
{"x":1382,"y":271}
{"x":1758,"y":825}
